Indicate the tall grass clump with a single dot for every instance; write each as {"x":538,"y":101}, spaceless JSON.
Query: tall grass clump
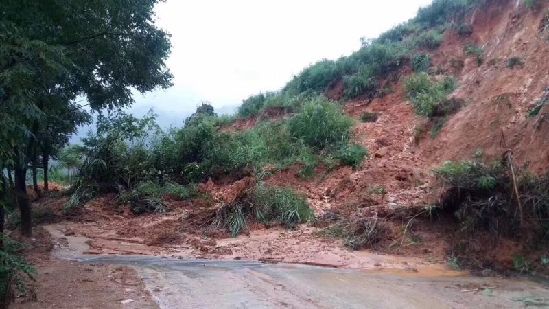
{"x":321,"y":124}
{"x":282,"y":206}
{"x":268,"y":205}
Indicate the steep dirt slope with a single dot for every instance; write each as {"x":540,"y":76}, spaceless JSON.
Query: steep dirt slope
{"x":498,"y":98}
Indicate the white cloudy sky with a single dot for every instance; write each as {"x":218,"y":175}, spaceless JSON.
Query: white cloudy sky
{"x":223,"y":51}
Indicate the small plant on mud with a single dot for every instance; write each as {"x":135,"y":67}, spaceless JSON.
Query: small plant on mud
{"x":352,"y":155}
{"x":369,"y":117}
{"x":465,"y":30}
{"x":515,"y":62}
{"x":364,"y":233}
{"x":453,"y":262}
{"x":484,"y":197}
{"x":521,"y":265}
{"x":426,"y":94}
{"x":476,"y":51}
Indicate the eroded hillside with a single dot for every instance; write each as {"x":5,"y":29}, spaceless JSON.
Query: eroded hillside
{"x":491,"y":66}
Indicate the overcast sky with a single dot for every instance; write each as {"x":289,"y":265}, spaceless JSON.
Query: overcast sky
{"x":224,"y":51}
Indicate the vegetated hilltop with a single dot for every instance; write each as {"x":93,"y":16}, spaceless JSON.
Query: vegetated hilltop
{"x":357,"y":148}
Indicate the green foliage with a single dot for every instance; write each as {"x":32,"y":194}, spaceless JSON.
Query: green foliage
{"x":359,"y":84}
{"x":427,"y":95}
{"x":254,"y":104}
{"x":53,"y":53}
{"x":521,"y":265}
{"x":268,"y":205}
{"x":465,"y":30}
{"x":352,"y":155}
{"x":479,"y":196}
{"x":148,"y":196}
{"x":514,"y":62}
{"x":321,"y":124}
{"x":369,"y":117}
{"x":441,"y":12}
{"x":204,"y":111}
{"x":13,"y":271}
{"x":117,"y":156}
{"x":421,"y":63}
{"x":315,"y":78}
{"x":280,"y":206}
{"x":531,"y":4}
{"x":476,"y":51}
{"x":428,"y":40}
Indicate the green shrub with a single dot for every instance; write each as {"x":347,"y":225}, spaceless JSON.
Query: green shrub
{"x":268,"y":205}
{"x":14,"y":271}
{"x":431,"y":39}
{"x":426,"y":95}
{"x":280,"y":206}
{"x":254,"y":104}
{"x":482,"y":196}
{"x":465,"y":30}
{"x":359,"y":84}
{"x":352,"y":155}
{"x":441,"y":12}
{"x":476,"y":51}
{"x":421,"y":63}
{"x":148,"y":196}
{"x":398,"y":33}
{"x":514,"y":62}
{"x":321,"y":124}
{"x":315,"y":78}
{"x":532,"y":4}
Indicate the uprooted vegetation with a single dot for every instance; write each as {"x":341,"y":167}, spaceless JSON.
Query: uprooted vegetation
{"x":494,"y":203}
{"x":267,"y":205}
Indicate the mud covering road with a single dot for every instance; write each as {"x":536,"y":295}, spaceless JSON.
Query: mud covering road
{"x":190,"y":283}
{"x":238,"y":284}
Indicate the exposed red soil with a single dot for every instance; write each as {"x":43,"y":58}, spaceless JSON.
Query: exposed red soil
{"x":498,"y":98}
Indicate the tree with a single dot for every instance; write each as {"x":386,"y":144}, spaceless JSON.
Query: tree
{"x":54,"y":51}
{"x":204,"y":110}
